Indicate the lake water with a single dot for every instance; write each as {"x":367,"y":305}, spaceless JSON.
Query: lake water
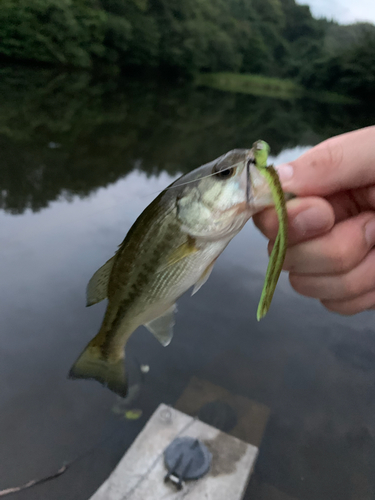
{"x":79,"y":160}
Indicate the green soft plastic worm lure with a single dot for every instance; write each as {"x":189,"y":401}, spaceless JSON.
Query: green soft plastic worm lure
{"x":275,"y":264}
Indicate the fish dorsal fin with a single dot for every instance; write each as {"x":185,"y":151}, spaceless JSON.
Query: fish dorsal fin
{"x":202,"y":280}
{"x":162,"y":326}
{"x":98,"y":285}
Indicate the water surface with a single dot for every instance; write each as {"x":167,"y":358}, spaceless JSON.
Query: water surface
{"x":80,"y":159}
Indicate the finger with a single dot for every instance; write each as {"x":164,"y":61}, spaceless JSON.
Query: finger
{"x":337,"y":164}
{"x":350,"y":203}
{"x":307,"y":217}
{"x":345,"y":286}
{"x":337,"y":251}
{"x":352,"y":306}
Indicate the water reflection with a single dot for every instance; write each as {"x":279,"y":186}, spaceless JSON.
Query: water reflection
{"x":314,"y":370}
{"x":65,"y":134}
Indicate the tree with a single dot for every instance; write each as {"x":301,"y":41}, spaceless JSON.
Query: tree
{"x":52,"y":31}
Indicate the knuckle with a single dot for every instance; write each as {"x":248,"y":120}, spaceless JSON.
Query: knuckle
{"x":327,"y":156}
{"x":330,"y":306}
{"x":341,"y":259}
{"x":350,"y":287}
{"x":298,"y":283}
{"x":332,"y":155}
{"x":338,"y":307}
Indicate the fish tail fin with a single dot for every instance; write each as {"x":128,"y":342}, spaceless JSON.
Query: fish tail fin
{"x":93,"y":364}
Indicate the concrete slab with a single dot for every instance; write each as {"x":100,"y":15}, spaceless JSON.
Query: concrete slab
{"x":140,"y":473}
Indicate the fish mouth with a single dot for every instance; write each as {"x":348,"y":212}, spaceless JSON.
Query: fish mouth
{"x":257,"y":190}
{"x":250,"y":161}
{"x":248,"y":180}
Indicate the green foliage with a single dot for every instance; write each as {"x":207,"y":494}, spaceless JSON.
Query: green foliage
{"x":251,"y":84}
{"x":350,"y":71}
{"x":270,"y":11}
{"x":358,"y":69}
{"x":52,"y":31}
{"x":277,"y":38}
{"x":340,"y":38}
{"x":118,"y":36}
{"x":185,"y":36}
{"x":132,"y":34}
{"x":299,"y":23}
{"x":268,"y":86}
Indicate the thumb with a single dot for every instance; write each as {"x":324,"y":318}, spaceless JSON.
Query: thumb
{"x":343,"y":162}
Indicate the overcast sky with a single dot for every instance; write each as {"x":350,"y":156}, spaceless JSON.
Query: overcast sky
{"x":343,"y":11}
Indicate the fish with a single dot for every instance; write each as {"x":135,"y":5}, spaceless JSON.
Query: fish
{"x":171,"y":247}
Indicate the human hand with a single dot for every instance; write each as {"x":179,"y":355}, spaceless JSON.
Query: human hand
{"x":332,"y":222}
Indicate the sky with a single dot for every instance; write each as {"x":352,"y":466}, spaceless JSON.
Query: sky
{"x":343,"y":11}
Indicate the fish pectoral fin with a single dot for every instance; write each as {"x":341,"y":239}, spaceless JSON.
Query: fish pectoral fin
{"x":97,"y":287}
{"x":202,"y":280}
{"x":184,"y":250}
{"x":162,"y":326}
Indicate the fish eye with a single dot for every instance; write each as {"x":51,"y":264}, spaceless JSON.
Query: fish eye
{"x":225,"y":173}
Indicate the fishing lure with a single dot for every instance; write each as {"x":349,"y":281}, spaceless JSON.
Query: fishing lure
{"x":277,"y":257}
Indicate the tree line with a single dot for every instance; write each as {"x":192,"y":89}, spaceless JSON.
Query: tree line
{"x":271,"y":37}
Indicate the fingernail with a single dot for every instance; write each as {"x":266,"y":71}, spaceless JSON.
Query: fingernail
{"x":370,"y":233}
{"x":285,"y":172}
{"x":310,"y":221}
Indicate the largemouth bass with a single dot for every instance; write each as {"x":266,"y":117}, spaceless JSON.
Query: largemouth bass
{"x":172,"y":246}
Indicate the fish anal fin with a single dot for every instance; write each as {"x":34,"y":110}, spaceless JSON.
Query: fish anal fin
{"x":93,"y":365}
{"x":202,"y":280}
{"x":162,"y":326}
{"x":98,"y":285}
{"x":184,"y":250}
